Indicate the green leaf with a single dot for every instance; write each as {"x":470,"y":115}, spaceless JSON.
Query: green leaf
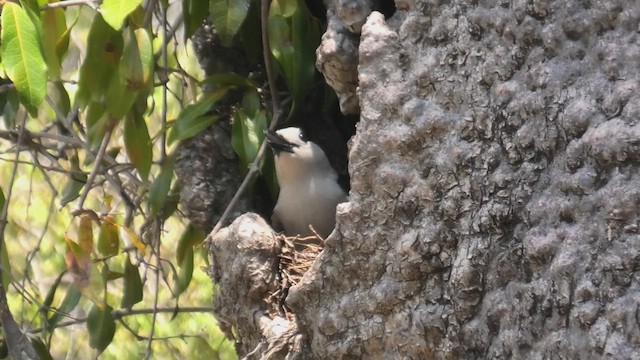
{"x":101,"y":326}
{"x":104,"y":49}
{"x":115,"y":11}
{"x":109,"y":237}
{"x":129,"y":77}
{"x":21,"y":56}
{"x":191,"y":121}
{"x":137,"y":142}
{"x":70,"y":301}
{"x":160,"y":187}
{"x":247,"y":131}
{"x":97,"y":122}
{"x":6,"y":267}
{"x":194,"y":13}
{"x":55,"y":40}
{"x":185,"y":273}
{"x":75,"y":182}
{"x":41,"y":349}
{"x":294,"y":36}
{"x":10,"y":103}
{"x":227,"y":16}
{"x":48,"y":300}
{"x":132,"y":285}
{"x":190,"y":237}
{"x":251,"y":32}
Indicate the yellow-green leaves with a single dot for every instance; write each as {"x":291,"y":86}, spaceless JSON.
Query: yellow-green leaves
{"x":160,"y":187}
{"x":132,"y":285}
{"x":132,"y":75}
{"x":115,"y":11}
{"x":227,"y":16}
{"x":108,"y":239}
{"x":192,"y":120}
{"x":194,"y":13}
{"x":22,"y":56}
{"x":248,"y":127}
{"x":104,"y":49}
{"x":137,"y":142}
{"x":101,"y":326}
{"x":55,"y":39}
{"x":293,"y":38}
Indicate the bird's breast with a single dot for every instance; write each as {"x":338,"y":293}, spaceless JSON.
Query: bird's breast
{"x":307,"y":203}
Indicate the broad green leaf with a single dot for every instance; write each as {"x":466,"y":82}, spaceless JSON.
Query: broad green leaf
{"x":56,"y":39}
{"x":101,"y":326}
{"x":248,"y":131}
{"x":251,"y":32}
{"x":21,"y":56}
{"x":41,"y":349}
{"x":194,"y":13}
{"x":190,"y":237}
{"x":85,"y":234}
{"x":294,"y":35}
{"x":97,"y":122}
{"x":6,"y":265}
{"x":104,"y":49}
{"x":129,"y":76}
{"x":227,"y":16}
{"x":115,"y":11}
{"x":59,"y":96}
{"x":285,"y":8}
{"x":251,"y":103}
{"x":85,"y":273}
{"x":160,"y":187}
{"x":185,"y":273}
{"x":108,"y":239}
{"x":2,"y":199}
{"x":48,"y":300}
{"x":191,"y":121}
{"x":9,"y":108}
{"x":75,"y":182}
{"x":138,"y":144}
{"x":145,"y":51}
{"x":132,"y":285}
{"x":67,"y":305}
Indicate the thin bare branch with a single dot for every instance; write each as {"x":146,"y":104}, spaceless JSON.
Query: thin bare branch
{"x":19,"y":345}
{"x":118,"y":314}
{"x":96,"y":167}
{"x":69,"y":3}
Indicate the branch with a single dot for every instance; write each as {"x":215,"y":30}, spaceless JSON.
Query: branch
{"x":96,"y":167}
{"x":18,"y":344}
{"x":275,"y":103}
{"x":69,"y":3}
{"x":118,"y":314}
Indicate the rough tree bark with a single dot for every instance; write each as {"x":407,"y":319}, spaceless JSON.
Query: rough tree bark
{"x":495,"y":192}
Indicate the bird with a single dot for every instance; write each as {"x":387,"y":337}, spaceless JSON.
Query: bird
{"x":309,"y":186}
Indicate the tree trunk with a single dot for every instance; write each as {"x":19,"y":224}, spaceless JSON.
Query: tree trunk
{"x":495,"y":193}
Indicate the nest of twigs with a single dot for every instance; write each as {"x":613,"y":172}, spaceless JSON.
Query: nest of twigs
{"x":297,"y":254}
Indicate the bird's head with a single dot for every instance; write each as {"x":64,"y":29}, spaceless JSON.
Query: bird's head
{"x":294,"y":153}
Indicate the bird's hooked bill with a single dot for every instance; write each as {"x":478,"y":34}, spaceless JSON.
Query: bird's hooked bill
{"x":277,"y":142}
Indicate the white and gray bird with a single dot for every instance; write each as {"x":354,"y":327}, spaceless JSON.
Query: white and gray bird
{"x":309,"y":189}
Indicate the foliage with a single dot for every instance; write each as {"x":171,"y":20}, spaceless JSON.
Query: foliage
{"x":96,"y":97}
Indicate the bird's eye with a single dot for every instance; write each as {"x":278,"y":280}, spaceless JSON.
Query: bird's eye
{"x":302,"y":137}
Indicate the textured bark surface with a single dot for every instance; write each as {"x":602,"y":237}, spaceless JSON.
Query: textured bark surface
{"x":495,"y":192}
